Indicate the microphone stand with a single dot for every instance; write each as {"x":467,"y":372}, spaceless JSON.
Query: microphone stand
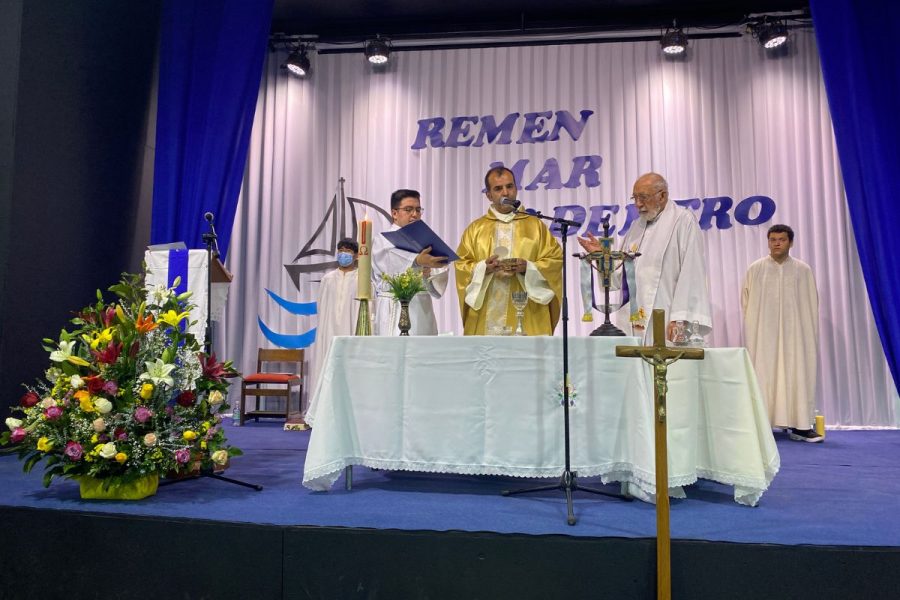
{"x":209,"y":238}
{"x":569,"y":480}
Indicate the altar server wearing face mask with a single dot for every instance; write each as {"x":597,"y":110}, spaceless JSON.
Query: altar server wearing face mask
{"x":337,"y":306}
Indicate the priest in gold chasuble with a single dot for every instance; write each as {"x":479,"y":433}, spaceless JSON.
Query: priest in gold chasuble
{"x":506,"y":251}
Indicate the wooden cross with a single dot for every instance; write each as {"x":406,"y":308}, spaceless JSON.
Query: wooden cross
{"x":660,"y":357}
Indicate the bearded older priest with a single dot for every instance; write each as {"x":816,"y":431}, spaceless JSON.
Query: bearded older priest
{"x":670,"y":272}
{"x":531,"y":261}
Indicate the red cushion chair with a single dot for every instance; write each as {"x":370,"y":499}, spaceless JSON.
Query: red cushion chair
{"x":265,"y":383}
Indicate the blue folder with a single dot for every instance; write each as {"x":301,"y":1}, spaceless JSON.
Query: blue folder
{"x":417,"y":236}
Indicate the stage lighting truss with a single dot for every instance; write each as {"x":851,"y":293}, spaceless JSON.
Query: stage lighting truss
{"x":378,"y":50}
{"x":297,"y":62}
{"x":770,"y":32}
{"x":674,"y":41}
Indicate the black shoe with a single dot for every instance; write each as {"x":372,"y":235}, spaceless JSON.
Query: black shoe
{"x":805,"y":435}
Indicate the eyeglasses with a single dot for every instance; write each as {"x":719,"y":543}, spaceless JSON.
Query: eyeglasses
{"x":411,"y":209}
{"x":644,"y":197}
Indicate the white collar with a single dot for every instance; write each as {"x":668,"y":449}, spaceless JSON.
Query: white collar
{"x":505,"y":217}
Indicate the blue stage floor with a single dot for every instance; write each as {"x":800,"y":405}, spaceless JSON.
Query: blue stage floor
{"x":843,"y":492}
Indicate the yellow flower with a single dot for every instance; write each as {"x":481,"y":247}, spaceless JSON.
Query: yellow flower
{"x":220,"y":457}
{"x":121,"y":457}
{"x":203,"y":445}
{"x":85,"y":402}
{"x":94,"y":439}
{"x":102,"y":339}
{"x":44,"y":444}
{"x":189,"y":435}
{"x":205,"y":426}
{"x":173,"y":318}
{"x":147,"y":391}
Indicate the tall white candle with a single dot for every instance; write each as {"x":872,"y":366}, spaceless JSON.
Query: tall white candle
{"x":364,"y":290}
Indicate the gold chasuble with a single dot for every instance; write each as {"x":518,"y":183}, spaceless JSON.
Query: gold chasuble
{"x":484,"y":298}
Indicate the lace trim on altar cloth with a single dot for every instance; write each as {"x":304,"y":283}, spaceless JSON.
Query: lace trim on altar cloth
{"x":639,"y":483}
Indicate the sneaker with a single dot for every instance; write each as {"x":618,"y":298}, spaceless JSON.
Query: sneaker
{"x":805,"y":435}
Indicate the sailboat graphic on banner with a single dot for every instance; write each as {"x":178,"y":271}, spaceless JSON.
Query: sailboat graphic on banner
{"x":322,"y":243}
{"x":330,"y":231}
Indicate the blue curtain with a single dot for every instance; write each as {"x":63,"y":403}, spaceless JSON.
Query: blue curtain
{"x":861,"y":67}
{"x":211,"y":60}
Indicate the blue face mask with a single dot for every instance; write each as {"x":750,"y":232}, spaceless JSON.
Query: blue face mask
{"x":344,"y":259}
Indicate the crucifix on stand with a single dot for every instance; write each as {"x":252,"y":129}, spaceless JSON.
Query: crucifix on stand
{"x":660,"y":357}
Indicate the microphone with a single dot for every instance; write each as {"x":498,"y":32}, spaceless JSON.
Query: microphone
{"x":210,"y":237}
{"x":514,"y":203}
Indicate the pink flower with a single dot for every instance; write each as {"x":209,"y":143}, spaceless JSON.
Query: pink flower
{"x":183,"y":455}
{"x":53,"y":413}
{"x":109,"y":316}
{"x":18,"y":434}
{"x":29,"y":399}
{"x":111,"y":388}
{"x":73,"y":450}
{"x":186,"y":398}
{"x":142,"y":414}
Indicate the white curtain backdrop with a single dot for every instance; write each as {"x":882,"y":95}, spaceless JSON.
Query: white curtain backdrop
{"x":727,"y":122}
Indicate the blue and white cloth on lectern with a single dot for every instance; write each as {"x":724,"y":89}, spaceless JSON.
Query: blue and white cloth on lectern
{"x":164,"y":266}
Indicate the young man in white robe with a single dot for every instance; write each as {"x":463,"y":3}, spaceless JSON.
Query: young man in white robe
{"x":781,"y":328}
{"x":406,"y":207}
{"x":337,"y":309}
{"x":670,"y":272}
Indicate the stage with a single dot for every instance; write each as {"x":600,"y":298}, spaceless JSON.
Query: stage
{"x":829,"y":523}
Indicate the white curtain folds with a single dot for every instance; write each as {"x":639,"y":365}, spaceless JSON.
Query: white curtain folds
{"x":728,"y":122}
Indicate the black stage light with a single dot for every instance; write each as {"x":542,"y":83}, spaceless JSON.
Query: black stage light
{"x":674,"y":41}
{"x":771,"y":34}
{"x":298,"y":62}
{"x":378,"y":51}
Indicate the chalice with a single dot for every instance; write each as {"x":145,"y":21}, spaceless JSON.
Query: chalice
{"x":520,"y":301}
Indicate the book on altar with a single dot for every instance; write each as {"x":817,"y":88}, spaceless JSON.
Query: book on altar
{"x":417,"y":236}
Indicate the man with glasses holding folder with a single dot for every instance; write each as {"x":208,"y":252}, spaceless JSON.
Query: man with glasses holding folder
{"x":406,"y":208}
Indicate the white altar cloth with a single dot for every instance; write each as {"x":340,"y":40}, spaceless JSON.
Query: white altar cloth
{"x":492,"y":406}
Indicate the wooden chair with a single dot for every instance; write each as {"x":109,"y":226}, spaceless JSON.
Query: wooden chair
{"x":280,"y":384}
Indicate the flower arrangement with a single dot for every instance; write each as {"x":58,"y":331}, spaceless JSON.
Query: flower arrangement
{"x":128,"y":394}
{"x":405,"y":285}
{"x":639,"y":317}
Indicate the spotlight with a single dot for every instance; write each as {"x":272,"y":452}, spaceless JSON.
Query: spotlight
{"x":378,"y":51}
{"x":298,"y":62}
{"x":771,"y":34}
{"x":674,"y":41}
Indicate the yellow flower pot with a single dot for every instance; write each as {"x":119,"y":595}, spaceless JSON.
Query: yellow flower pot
{"x":93,"y":489}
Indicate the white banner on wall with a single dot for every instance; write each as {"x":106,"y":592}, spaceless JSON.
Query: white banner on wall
{"x":744,"y":140}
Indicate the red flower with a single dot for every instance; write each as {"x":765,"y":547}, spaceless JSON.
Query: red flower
{"x":95,"y":383}
{"x":186,"y":398}
{"x":211,"y":368}
{"x":108,"y":355}
{"x":29,"y":399}
{"x":109,"y":315}
{"x":18,"y":434}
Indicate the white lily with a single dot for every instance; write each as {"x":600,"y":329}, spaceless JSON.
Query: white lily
{"x":64,"y":352}
{"x":158,"y":372}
